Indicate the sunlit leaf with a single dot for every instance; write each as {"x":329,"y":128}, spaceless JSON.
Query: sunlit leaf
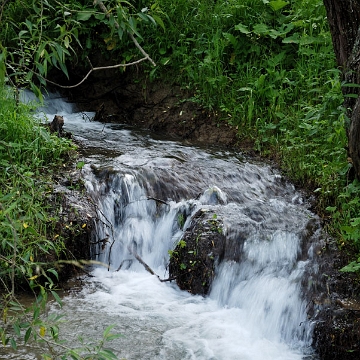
{"x":80,"y":164}
{"x":85,"y":15}
{"x":42,"y":331}
{"x":242,"y":28}
{"x":277,"y":4}
{"x":159,"y":21}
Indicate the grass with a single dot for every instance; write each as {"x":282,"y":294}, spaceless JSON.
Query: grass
{"x":28,"y":154}
{"x":269,"y":68}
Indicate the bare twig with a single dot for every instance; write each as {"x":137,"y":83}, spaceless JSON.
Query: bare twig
{"x":146,"y":266}
{"x":102,"y":241}
{"x":122,"y":263}
{"x":141,"y":261}
{"x":157,"y":200}
{"x":87,"y":75}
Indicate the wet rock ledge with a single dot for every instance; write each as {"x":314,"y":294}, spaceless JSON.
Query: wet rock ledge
{"x":192,"y":262}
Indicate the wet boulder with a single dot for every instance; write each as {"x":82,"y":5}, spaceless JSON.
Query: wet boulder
{"x":192,"y":262}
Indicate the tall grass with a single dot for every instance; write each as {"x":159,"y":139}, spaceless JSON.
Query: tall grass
{"x":269,"y":69}
{"x":28,"y":153}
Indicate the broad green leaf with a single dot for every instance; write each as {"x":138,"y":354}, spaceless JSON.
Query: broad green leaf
{"x":261,"y":29}
{"x":54,"y":272}
{"x":242,"y":28}
{"x":36,"y":313}
{"x":64,"y":68}
{"x":278,"y":4}
{"x":16,"y":329}
{"x":13,"y":343}
{"x":27,"y":334}
{"x":293,"y":39}
{"x":111,"y":337}
{"x":108,"y":329}
{"x":143,"y":16}
{"x":99,"y":17}
{"x":107,"y":354}
{"x":231,"y":38}
{"x":84,"y":15}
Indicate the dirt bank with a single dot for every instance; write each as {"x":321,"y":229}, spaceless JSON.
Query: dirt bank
{"x":162,"y":108}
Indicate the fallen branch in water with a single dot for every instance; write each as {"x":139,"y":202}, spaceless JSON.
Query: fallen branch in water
{"x":157,"y":200}
{"x":122,"y":263}
{"x":146,"y":266}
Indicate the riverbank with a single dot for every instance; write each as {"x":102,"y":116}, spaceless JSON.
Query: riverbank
{"x":165,"y":110}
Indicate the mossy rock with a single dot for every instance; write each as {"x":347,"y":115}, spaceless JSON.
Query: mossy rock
{"x":193,"y":260}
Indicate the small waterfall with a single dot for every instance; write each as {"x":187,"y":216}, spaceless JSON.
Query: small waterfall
{"x":147,"y":191}
{"x":264,"y":288}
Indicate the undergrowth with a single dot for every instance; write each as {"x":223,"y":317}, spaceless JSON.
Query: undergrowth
{"x":29,"y":155}
{"x":269,"y":68}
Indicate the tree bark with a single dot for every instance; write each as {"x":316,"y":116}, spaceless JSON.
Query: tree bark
{"x":344,"y":21}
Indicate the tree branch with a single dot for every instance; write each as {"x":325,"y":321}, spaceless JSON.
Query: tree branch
{"x":105,"y":11}
{"x":87,"y":75}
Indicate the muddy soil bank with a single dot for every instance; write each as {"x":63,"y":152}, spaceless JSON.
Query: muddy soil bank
{"x":166,"y":109}
{"x":162,"y":108}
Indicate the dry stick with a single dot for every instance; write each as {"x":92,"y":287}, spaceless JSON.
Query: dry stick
{"x":107,"y":14}
{"x":141,"y":261}
{"x":157,"y":200}
{"x":122,"y":263}
{"x":146,"y":266}
{"x":87,"y":75}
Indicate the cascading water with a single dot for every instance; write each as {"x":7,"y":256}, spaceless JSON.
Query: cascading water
{"x":257,"y":308}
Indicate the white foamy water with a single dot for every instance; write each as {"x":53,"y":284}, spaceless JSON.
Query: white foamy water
{"x":256,"y":309}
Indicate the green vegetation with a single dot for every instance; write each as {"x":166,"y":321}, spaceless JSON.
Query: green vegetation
{"x":268,"y":69}
{"x":265,"y":67}
{"x":28,"y":156}
{"x":26,"y":150}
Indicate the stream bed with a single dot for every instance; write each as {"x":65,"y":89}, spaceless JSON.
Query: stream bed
{"x":147,"y":189}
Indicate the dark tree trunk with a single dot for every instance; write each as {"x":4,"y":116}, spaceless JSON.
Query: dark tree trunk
{"x":344,"y":20}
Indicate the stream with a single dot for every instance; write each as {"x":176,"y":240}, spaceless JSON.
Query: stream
{"x":257,"y":307}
